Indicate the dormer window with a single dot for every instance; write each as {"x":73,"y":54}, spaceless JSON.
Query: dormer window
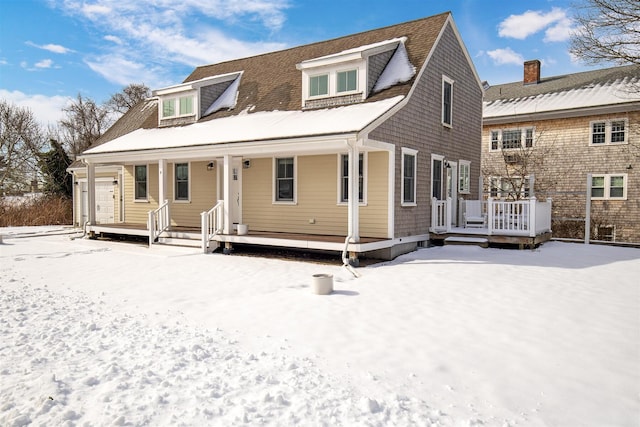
{"x":176,"y":107}
{"x":347,"y":81}
{"x":352,"y":75}
{"x":188,"y":102}
{"x":319,"y":85}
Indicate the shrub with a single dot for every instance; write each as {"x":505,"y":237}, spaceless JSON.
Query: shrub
{"x":43,"y":210}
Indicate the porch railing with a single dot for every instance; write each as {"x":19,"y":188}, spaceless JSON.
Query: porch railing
{"x":441,"y":215}
{"x":519,"y":218}
{"x":529,"y":217}
{"x":212,"y":224}
{"x":158,"y":222}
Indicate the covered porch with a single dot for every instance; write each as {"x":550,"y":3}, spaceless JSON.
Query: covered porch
{"x":525,"y":223}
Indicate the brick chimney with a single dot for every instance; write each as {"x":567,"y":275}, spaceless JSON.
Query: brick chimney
{"x":531,"y":72}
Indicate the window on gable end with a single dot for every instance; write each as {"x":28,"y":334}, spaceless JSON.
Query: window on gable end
{"x":447,"y":101}
{"x":409,"y":162}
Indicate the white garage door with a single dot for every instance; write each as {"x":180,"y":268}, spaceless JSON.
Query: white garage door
{"x":104,"y":202}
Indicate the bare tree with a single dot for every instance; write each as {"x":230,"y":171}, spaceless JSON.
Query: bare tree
{"x":122,"y":102}
{"x":21,"y":139}
{"x":607,"y":31}
{"x":84,"y":123}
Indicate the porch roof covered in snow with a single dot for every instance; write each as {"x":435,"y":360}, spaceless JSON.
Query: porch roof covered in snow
{"x":266,"y":127}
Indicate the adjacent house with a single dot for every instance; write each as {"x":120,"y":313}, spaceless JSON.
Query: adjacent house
{"x":339,"y":145}
{"x":574,"y":138}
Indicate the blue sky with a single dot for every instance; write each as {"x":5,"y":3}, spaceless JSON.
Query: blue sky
{"x":51,"y":50}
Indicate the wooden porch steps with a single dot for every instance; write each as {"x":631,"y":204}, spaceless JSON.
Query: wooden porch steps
{"x":467,"y":241}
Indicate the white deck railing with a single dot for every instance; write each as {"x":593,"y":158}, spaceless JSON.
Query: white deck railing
{"x":529,"y":217}
{"x":212,"y":224}
{"x":441,"y":214}
{"x":158,"y":222}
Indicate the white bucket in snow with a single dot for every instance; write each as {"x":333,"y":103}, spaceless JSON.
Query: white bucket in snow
{"x":243,"y":229}
{"x":322,"y":284}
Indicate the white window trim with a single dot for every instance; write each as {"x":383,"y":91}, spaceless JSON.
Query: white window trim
{"x":523,"y":138}
{"x":607,"y":131}
{"x":607,"y":186}
{"x":332,"y":72}
{"x":309,"y":77}
{"x":188,"y":200}
{"x":274,"y":178}
{"x":413,"y":153}
{"x":467,"y":164}
{"x":146,"y":199}
{"x":365,"y":166}
{"x":446,"y":79}
{"x":176,"y":97}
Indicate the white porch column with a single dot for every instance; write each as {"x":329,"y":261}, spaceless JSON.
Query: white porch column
{"x":162,"y":181}
{"x":91,"y":193}
{"x":227,"y":176}
{"x":354,"y":197}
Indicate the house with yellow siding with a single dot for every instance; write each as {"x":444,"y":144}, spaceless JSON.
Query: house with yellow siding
{"x":340,"y":145}
{"x":573,"y":138}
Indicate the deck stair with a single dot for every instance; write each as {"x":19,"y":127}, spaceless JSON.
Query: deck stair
{"x":180,"y":238}
{"x":467,"y":241}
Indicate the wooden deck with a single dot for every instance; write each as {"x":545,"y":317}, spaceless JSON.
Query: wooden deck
{"x":253,"y":237}
{"x":492,"y":239}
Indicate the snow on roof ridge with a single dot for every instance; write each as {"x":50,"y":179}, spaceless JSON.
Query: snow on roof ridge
{"x":589,"y":95}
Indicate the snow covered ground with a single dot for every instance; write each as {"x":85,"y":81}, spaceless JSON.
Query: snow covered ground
{"x":104,"y":333}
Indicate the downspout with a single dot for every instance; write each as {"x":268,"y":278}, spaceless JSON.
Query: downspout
{"x":345,"y":251}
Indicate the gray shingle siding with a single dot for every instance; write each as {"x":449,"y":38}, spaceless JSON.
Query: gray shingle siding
{"x":376,"y":66}
{"x":418,"y":126}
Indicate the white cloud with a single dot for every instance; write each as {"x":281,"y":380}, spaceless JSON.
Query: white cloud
{"x":122,"y":71}
{"x":530,"y":22}
{"x":55,"y":48}
{"x":113,"y":39}
{"x":45,"y":63}
{"x":46,"y":109}
{"x":170,"y":34}
{"x":560,"y":32}
{"x":505,"y":56}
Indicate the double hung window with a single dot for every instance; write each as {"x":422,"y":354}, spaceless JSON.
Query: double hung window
{"x":140,"y":182}
{"x":409,"y":175}
{"x":608,"y":132}
{"x":344,"y":178}
{"x":181,"y":181}
{"x":285,"y":180}
{"x":447,"y":101}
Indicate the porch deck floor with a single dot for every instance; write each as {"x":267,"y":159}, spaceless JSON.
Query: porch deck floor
{"x":194,"y":232}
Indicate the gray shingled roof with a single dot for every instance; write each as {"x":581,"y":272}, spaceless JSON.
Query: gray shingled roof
{"x":271,"y":82}
{"x":561,"y":83}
